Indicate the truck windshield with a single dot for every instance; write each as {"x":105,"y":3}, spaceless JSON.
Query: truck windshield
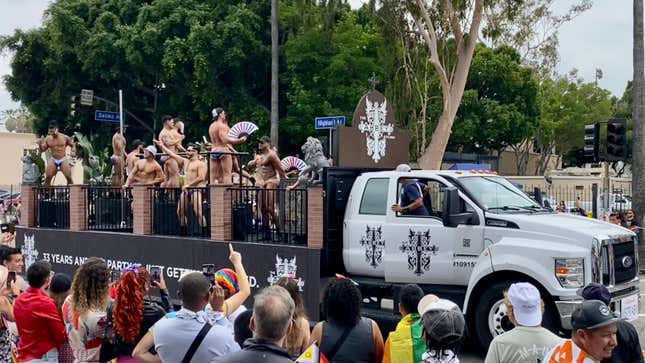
{"x":495,"y":193}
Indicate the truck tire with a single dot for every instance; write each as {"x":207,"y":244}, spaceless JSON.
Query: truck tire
{"x":490,"y":317}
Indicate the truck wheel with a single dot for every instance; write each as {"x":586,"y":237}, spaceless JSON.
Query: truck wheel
{"x":490,"y":317}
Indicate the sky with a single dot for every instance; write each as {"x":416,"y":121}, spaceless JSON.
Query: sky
{"x":599,"y":38}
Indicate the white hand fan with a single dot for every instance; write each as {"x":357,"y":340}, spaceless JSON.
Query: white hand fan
{"x":241,"y":129}
{"x":292,"y":162}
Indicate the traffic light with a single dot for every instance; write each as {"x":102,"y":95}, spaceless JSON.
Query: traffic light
{"x":591,"y":150}
{"x":616,"y":139}
{"x":72,"y":106}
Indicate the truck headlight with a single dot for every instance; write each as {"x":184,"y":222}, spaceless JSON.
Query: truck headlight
{"x":570,"y":272}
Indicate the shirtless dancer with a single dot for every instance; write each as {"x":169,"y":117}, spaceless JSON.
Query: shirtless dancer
{"x":271,"y":171}
{"x":172,"y":140}
{"x":118,"y":157}
{"x":146,"y":171}
{"x":57,"y":143}
{"x":133,"y":156}
{"x":195,"y":170}
{"x":221,"y":166}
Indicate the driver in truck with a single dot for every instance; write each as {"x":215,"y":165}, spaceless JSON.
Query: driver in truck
{"x":411,"y":201}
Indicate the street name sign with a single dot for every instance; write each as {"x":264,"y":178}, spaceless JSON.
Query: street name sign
{"x":328,"y":123}
{"x":106,"y":116}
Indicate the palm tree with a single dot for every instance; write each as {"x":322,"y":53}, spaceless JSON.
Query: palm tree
{"x":638,"y":114}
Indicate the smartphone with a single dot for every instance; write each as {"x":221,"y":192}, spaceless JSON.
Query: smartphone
{"x":155,"y":273}
{"x":11,"y":278}
{"x":208,"y":269}
{"x":115,"y":276}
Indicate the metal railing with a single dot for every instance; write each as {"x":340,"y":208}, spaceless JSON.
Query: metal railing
{"x":108,"y":208}
{"x":177,"y":212}
{"x":269,"y":215}
{"x":52,"y":207}
{"x":584,"y":199}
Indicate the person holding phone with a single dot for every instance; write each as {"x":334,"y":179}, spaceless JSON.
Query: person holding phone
{"x":131,"y":314}
{"x":234,"y":301}
{"x":6,"y":312}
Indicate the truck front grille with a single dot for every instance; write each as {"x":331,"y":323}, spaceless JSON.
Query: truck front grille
{"x":625,"y":264}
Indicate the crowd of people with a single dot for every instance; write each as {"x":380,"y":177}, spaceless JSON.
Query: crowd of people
{"x":100,"y":315}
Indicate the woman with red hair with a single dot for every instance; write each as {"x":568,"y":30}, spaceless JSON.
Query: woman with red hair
{"x":131,"y":315}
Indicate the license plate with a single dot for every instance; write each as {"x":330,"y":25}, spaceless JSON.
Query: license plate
{"x":629,"y":308}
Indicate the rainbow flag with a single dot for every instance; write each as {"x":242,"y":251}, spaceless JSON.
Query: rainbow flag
{"x":312,"y":355}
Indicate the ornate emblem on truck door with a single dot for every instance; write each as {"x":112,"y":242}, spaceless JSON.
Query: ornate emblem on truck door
{"x":419,"y":249}
{"x":374,"y":244}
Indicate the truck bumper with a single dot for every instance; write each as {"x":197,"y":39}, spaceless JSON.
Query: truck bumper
{"x":618,"y":294}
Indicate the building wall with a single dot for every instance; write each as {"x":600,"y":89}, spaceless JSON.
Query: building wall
{"x":11,"y":151}
{"x":508,"y":164}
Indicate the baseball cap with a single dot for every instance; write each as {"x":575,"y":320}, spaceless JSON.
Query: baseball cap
{"x":403,"y":167}
{"x":444,"y":324}
{"x":60,"y":283}
{"x":151,"y":149}
{"x":595,"y":291}
{"x":592,"y":314}
{"x":526,"y":302}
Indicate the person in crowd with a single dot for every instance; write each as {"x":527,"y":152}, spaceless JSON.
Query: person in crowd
{"x":271,"y":322}
{"x":118,"y":157}
{"x":406,"y":344}
{"x":271,"y":172}
{"x":6,"y":316}
{"x":443,"y":329}
{"x":12,"y":259}
{"x":40,"y":327}
{"x":594,"y":336}
{"x":57,"y":143}
{"x":130,"y":315}
{"x":172,"y":140}
{"x":195,"y":176}
{"x":8,"y":237}
{"x":241,"y":329}
{"x":631,"y":222}
{"x":615,"y":218}
{"x":84,"y":310}
{"x":298,"y":338}
{"x":221,"y":165}
{"x":562,"y":207}
{"x":146,"y":171}
{"x":227,"y":279}
{"x":236,"y":281}
{"x":411,"y":200}
{"x":345,"y":336}
{"x":134,"y":155}
{"x":192,"y":326}
{"x":59,"y":290}
{"x":629,"y":347}
{"x":528,"y":341}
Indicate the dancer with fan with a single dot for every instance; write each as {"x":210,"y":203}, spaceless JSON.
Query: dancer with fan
{"x":271,"y":171}
{"x":221,"y":162}
{"x":195,"y":169}
{"x":171,"y":139}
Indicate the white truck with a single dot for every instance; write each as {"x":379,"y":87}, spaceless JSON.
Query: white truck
{"x":482,"y":234}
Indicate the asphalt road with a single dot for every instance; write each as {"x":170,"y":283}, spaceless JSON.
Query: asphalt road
{"x":469,"y":357}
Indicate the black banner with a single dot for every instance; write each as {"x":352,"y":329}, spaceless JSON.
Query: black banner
{"x":264,"y":264}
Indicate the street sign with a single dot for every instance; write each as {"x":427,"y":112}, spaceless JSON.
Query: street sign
{"x":87,"y":97}
{"x":106,"y":116}
{"x":328,"y":123}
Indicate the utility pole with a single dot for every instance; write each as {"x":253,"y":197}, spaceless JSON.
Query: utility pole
{"x":638,"y":115}
{"x":274,"y":71}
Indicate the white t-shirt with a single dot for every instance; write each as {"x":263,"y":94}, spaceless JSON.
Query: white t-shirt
{"x":521,"y":345}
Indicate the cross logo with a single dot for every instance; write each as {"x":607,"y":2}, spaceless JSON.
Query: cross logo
{"x":376,"y":130}
{"x":29,"y":251}
{"x":374,"y":243}
{"x":419,"y":250}
{"x":285,"y":267}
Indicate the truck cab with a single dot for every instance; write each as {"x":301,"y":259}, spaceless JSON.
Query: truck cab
{"x":479,"y":235}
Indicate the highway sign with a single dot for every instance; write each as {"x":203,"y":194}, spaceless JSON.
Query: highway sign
{"x":106,"y":116}
{"x":87,"y":97}
{"x":330,"y":122}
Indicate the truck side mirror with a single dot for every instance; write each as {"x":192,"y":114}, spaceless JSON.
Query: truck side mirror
{"x":452,"y":215}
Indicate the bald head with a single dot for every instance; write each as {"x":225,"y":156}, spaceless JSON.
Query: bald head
{"x":272,"y":313}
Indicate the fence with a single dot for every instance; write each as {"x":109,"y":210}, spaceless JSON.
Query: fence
{"x":583,"y":198}
{"x":108,"y":209}
{"x":269,"y":215}
{"x":177,"y":212}
{"x":52,"y":207}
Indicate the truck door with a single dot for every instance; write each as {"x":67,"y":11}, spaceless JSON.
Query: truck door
{"x":469,"y":244}
{"x":421,"y":249}
{"x":363,"y":240}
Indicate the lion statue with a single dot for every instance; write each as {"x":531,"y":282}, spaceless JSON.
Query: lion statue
{"x":30,"y":171}
{"x":315,"y":160}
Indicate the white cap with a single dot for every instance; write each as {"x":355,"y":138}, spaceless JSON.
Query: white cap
{"x":152,"y":149}
{"x":214,"y":112}
{"x":403,"y":167}
{"x":526,"y":302}
{"x":431,"y":303}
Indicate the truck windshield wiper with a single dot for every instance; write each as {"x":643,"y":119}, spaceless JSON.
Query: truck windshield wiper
{"x":506,"y":207}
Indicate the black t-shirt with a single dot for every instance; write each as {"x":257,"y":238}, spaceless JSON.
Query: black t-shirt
{"x":628,"y":349}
